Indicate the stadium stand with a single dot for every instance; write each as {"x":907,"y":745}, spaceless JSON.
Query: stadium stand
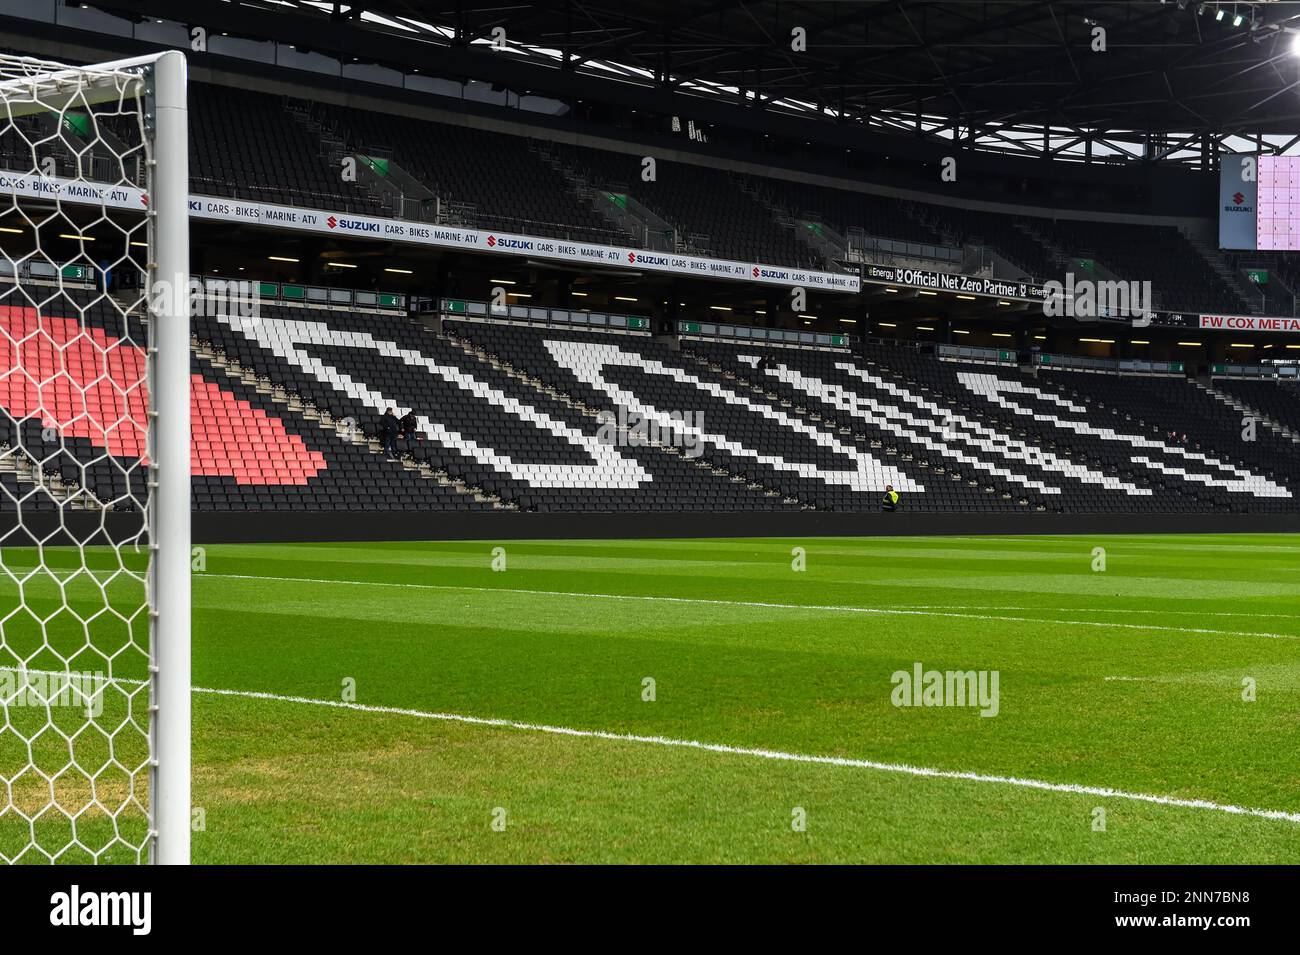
{"x":512,"y":416}
{"x":510,"y":186}
{"x":1161,"y":406}
{"x":285,"y":410}
{"x":73,"y":430}
{"x":267,"y":456}
{"x":765,"y":444}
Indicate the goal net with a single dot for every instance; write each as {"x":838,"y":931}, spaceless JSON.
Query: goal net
{"x":94,"y":462}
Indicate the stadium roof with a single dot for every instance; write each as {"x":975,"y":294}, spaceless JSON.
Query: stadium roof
{"x":1175,"y":79}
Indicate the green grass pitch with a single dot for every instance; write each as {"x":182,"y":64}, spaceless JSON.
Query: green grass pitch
{"x":1131,"y":678}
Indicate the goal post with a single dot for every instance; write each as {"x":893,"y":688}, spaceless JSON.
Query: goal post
{"x":170,"y":425}
{"x":94,"y":461}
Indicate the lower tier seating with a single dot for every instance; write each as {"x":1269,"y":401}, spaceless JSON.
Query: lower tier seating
{"x":1060,"y":440}
{"x":286,"y":411}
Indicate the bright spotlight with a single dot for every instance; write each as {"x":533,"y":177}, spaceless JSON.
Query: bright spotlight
{"x":1295,"y":45}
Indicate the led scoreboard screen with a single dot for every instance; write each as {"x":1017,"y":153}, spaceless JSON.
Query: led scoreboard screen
{"x":1259,"y":202}
{"x":1277,"y":223}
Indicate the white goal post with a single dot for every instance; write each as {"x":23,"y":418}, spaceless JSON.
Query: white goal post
{"x":94,"y":461}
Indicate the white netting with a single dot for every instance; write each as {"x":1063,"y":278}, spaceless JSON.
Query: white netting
{"x":74,"y":478}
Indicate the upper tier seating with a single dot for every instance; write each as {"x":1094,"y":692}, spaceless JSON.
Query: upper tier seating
{"x":1161,"y":255}
{"x":508,"y":184}
{"x":707,"y":207}
{"x":246,"y":144}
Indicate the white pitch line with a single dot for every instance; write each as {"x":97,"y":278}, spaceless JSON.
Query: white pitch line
{"x":911,"y":610}
{"x":1177,"y":680}
{"x":759,"y":604}
{"x":1198,"y":613}
{"x":921,"y":771}
{"x":778,"y":755}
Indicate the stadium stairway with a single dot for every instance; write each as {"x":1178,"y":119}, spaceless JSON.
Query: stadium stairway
{"x":29,"y":484}
{"x":346,"y":430}
{"x":1231,"y":278}
{"x":1260,"y":400}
